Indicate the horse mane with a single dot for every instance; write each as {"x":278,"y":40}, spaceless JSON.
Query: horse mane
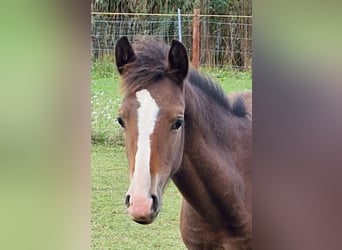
{"x":150,"y":65}
{"x":215,"y":92}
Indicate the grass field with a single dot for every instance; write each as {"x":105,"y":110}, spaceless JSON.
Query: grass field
{"x":111,"y":227}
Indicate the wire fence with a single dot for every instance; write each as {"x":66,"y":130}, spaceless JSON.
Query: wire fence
{"x":225,"y":40}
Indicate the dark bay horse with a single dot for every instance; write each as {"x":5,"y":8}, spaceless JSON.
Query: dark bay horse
{"x":179,"y":125}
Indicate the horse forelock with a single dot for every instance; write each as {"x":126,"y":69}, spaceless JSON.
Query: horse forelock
{"x":148,"y":66}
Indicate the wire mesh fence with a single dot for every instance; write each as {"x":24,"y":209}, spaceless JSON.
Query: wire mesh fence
{"x":225,"y":41}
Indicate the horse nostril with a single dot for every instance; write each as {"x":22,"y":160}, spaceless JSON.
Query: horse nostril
{"x":127,"y":200}
{"x":154,"y":203}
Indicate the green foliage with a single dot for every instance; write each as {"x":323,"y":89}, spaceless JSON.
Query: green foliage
{"x":104,"y":68}
{"x":224,"y":40}
{"x":144,"y":6}
{"x":218,"y":7}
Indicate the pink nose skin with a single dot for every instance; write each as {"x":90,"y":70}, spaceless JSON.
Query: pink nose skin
{"x":140,"y":207}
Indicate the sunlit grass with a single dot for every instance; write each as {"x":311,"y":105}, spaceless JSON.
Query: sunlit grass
{"x":105,"y":101}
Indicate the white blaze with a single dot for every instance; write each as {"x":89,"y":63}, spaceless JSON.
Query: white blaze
{"x":147,"y":116}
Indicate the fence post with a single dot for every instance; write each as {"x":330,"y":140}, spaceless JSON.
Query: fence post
{"x":179,"y":25}
{"x":195,"y":39}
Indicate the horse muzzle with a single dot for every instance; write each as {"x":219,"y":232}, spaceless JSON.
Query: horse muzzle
{"x":142,"y":208}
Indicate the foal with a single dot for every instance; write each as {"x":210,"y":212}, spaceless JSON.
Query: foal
{"x":179,"y":125}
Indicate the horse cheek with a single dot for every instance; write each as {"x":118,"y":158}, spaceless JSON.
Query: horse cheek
{"x":177,"y":153}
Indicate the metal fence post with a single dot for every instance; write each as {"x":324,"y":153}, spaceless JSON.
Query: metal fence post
{"x":195,"y":39}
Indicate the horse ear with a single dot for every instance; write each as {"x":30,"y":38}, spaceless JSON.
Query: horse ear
{"x":178,"y":60}
{"x":123,"y":53}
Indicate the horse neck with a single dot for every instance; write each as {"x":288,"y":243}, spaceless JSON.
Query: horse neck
{"x":216,"y":127}
{"x":212,"y":177}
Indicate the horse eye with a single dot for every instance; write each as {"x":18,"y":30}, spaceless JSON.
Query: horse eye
{"x":178,"y":123}
{"x":121,"y":122}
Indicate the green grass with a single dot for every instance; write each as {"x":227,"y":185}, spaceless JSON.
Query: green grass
{"x":105,"y":101}
{"x":111,"y":226}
